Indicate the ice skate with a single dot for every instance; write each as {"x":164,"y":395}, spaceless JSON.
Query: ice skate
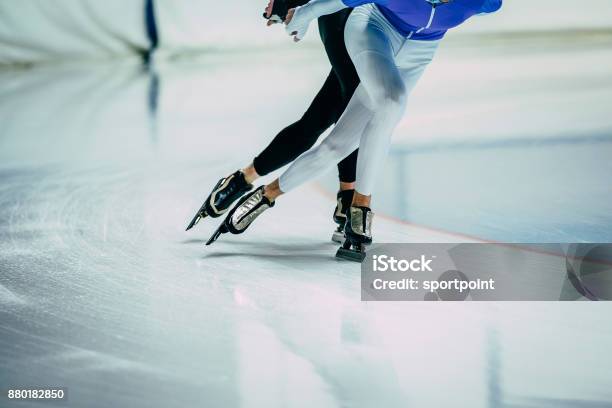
{"x":226,"y":191}
{"x":344,"y":199}
{"x":243,"y":214}
{"x":358,"y":230}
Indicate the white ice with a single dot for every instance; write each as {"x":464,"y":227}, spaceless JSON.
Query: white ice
{"x":102,"y":291}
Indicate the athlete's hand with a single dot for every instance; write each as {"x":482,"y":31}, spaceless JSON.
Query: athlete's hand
{"x":276,"y":11}
{"x":268,"y":13}
{"x":297,"y":24}
{"x":269,"y":8}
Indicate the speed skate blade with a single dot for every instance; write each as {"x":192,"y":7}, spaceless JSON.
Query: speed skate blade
{"x":217,"y":234}
{"x":338,"y":236}
{"x":351,"y":254}
{"x":201,"y":214}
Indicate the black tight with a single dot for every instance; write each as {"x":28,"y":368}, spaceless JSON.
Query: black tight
{"x":324,"y":110}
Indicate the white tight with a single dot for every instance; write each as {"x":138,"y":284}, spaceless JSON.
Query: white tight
{"x":389,"y":67}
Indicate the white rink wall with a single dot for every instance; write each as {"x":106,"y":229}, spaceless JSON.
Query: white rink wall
{"x":34,"y":31}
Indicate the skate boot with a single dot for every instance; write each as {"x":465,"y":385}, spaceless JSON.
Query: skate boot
{"x":226,"y":191}
{"x":345,"y":197}
{"x":243,"y":214}
{"x":358,"y":230}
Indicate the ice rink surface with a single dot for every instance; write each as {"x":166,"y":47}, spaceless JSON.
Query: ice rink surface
{"x":101,"y":290}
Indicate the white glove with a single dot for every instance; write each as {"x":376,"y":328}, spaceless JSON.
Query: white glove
{"x":303,"y":15}
{"x":298,"y":26}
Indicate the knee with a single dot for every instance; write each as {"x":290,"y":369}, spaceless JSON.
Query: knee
{"x":391,"y":99}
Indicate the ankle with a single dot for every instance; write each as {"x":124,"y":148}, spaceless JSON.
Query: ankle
{"x":272,"y":190}
{"x":347,"y":186}
{"x":250,"y":174}
{"x":360,"y":200}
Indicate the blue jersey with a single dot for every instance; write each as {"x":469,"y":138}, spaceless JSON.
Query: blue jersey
{"x":428,"y":19}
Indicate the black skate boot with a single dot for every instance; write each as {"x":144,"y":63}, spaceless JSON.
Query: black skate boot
{"x":345,"y":197}
{"x":243,"y":214}
{"x":226,"y":191}
{"x":358,"y":230}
